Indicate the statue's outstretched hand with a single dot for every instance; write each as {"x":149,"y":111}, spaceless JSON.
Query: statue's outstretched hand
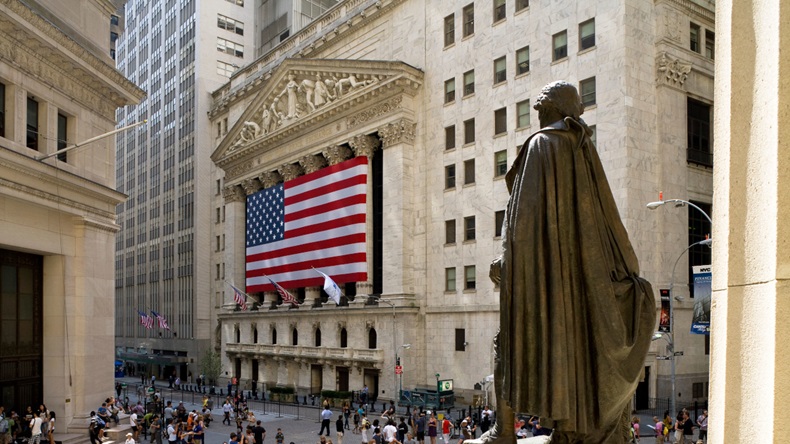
{"x":495,"y":270}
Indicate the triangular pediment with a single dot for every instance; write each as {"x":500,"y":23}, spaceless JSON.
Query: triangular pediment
{"x":301,"y":93}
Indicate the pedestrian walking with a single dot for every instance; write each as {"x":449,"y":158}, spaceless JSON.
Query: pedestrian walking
{"x":702,"y":423}
{"x":326,"y":418}
{"x":339,"y":428}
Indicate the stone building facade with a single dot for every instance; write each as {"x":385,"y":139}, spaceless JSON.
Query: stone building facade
{"x":58,"y":87}
{"x":438,"y":95}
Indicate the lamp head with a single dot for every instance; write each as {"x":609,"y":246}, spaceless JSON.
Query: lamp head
{"x":657,"y":335}
{"x":654,"y":205}
{"x":406,"y":345}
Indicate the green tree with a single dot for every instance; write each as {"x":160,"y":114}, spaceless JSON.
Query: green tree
{"x":211,"y":366}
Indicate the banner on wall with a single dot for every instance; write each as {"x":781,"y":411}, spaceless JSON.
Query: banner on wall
{"x":664,"y":325}
{"x":700,"y":322}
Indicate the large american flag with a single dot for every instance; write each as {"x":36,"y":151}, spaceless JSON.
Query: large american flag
{"x":316,"y":220}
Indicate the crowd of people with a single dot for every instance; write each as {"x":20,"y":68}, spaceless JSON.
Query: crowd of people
{"x":34,"y":426}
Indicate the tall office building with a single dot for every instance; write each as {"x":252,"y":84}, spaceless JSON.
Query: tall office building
{"x":177,"y":51}
{"x":438,"y":97}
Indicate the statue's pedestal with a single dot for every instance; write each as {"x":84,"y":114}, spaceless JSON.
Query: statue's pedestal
{"x":533,"y":440}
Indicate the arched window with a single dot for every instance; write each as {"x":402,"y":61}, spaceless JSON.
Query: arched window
{"x":254,"y":335}
{"x":274,"y":336}
{"x":295,"y":337}
{"x":343,"y":338}
{"x":317,"y":337}
{"x":237,"y":333}
{"x":372,"y":338}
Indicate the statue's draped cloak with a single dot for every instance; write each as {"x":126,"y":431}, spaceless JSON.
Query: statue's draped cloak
{"x":576,"y":320}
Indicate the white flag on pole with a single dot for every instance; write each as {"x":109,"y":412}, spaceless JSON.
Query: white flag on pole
{"x":331,"y":288}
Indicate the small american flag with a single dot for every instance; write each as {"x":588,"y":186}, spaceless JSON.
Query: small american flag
{"x":161,"y":319}
{"x":287,"y":298}
{"x":145,"y":320}
{"x":239,"y":297}
{"x":316,"y":220}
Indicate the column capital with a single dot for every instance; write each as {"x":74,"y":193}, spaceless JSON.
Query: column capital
{"x":251,"y":186}
{"x":364,"y":145}
{"x":290,"y":171}
{"x":233,"y":193}
{"x":312,"y":163}
{"x":269,"y":179}
{"x":336,"y":153}
{"x":399,"y":131}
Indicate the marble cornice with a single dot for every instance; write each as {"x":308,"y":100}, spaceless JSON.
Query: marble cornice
{"x":701,"y":12}
{"x":29,"y":192}
{"x":40,"y":179}
{"x":332,"y":28}
{"x":66,"y":54}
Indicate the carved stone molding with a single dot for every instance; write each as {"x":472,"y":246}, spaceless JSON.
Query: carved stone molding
{"x":374,"y":112}
{"x":370,"y":324}
{"x":251,"y":186}
{"x":269,"y":179}
{"x":364,"y":288}
{"x":335,"y":154}
{"x":401,"y":131}
{"x":364,"y":145}
{"x":312,"y":162}
{"x":671,"y":71}
{"x":233,"y":193}
{"x":290,"y":171}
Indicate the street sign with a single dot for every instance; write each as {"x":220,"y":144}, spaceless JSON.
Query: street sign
{"x":446,"y":385}
{"x":680,"y":353}
{"x":663,"y":358}
{"x":398,"y":369}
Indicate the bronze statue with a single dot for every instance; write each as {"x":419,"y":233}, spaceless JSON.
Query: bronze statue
{"x":575,"y":317}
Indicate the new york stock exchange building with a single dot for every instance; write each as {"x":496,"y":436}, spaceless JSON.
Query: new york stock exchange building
{"x":372,"y":146}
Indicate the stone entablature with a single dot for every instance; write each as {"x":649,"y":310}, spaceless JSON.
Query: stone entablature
{"x":301,"y":353}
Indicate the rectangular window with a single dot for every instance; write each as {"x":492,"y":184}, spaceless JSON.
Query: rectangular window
{"x":218,"y":244}
{"x":522,"y":111}
{"x":522,"y":61}
{"x":587,"y":87}
{"x":694,"y":37}
{"x":500,"y":70}
{"x":698,"y":122}
{"x":225,"y":69}
{"x":62,"y":136}
{"x":469,"y":20}
{"x":499,"y":220}
{"x":469,"y":277}
{"x":587,"y":34}
{"x":521,"y":5}
{"x":449,"y":279}
{"x":32,"y":124}
{"x":500,"y":163}
{"x":229,"y":47}
{"x":230,"y":24}
{"x":499,"y":10}
{"x":469,"y":83}
{"x":449,"y":177}
{"x":697,"y":390}
{"x":449,"y":91}
{"x":500,"y":121}
{"x":2,"y":110}
{"x":469,"y":131}
{"x":710,"y":45}
{"x":449,"y":30}
{"x":449,"y":231}
{"x":219,"y":186}
{"x":560,"y":45}
{"x":218,"y":215}
{"x":469,"y":171}
{"x":449,"y":137}
{"x":469,"y":228}
{"x":460,"y":339}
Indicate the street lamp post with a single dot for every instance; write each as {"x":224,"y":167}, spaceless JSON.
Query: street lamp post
{"x":400,"y":376}
{"x":670,"y":338}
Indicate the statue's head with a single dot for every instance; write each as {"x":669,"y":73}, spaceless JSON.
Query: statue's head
{"x":561,"y":97}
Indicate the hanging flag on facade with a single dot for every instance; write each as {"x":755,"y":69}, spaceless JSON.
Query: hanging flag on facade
{"x":145,"y":320}
{"x":287,"y":297}
{"x":331,"y":288}
{"x":239,"y":297}
{"x":161,"y":319}
{"x":315,"y":220}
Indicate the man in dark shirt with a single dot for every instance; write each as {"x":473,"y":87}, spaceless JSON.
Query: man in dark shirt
{"x":259,"y":432}
{"x":420,"y":423}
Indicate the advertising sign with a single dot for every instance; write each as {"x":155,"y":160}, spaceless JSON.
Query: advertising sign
{"x":663,"y":320}
{"x":700,"y":321}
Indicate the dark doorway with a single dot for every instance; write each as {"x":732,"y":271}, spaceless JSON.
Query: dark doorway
{"x":21,"y":329}
{"x":371,"y":378}
{"x":642,"y":397}
{"x":342,"y":379}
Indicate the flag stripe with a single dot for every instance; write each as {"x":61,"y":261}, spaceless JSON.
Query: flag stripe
{"x":315,"y":281}
{"x":318,"y":219}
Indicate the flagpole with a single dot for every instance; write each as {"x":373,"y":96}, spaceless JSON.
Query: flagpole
{"x":245,"y":293}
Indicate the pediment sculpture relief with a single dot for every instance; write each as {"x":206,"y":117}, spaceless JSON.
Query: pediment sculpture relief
{"x":301,"y":96}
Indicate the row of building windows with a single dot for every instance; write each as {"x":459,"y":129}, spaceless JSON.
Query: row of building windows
{"x":500,"y":168}
{"x":468,"y":18}
{"x":228,"y":47}
{"x":450,"y":232}
{"x":232,"y":25}
{"x":34,"y":129}
{"x":372,"y":337}
{"x":695,"y":41}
